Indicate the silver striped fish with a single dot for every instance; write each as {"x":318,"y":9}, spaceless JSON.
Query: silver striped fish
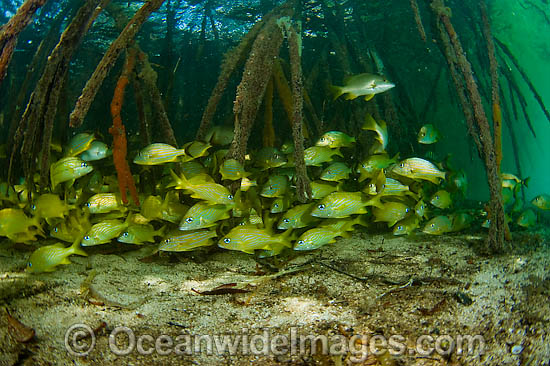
{"x":417,"y":168}
{"x":297,"y":217}
{"x":316,"y":238}
{"x":249,"y":238}
{"x":335,"y":172}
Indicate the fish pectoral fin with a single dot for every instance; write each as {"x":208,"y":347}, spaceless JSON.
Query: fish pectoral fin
{"x":369,"y":97}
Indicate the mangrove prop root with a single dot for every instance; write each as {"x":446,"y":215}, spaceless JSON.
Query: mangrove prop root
{"x":43,"y":102}
{"x":124,"y":175}
{"x":149,"y":77}
{"x":495,"y":238}
{"x":495,"y":96}
{"x":418,"y":20}
{"x":10,"y":31}
{"x":303,"y":188}
{"x":268,"y":136}
{"x":251,"y":90}
{"x":231,"y":61}
{"x":105,"y":65}
{"x":537,"y":96}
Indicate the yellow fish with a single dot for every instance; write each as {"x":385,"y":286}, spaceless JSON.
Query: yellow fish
{"x":542,"y":201}
{"x":220,"y":135}
{"x":196,"y":149}
{"x":297,"y":217}
{"x":406,"y":226}
{"x":79,"y":143}
{"x":103,"y":232}
{"x":159,"y":153}
{"x":340,"y":205}
{"x":276,"y":186}
{"x":438,"y":225}
{"x":46,"y":258}
{"x":49,"y":206}
{"x":231,"y":169}
{"x":249,"y":238}
{"x":441,"y":199}
{"x":417,"y":168}
{"x":96,"y":151}
{"x":428,"y":134}
{"x":317,"y":155}
{"x":527,"y":219}
{"x":335,"y":172}
{"x":13,"y":221}
{"x":192,"y":168}
{"x":391,"y":212}
{"x":203,"y":215}
{"x":270,"y":157}
{"x":321,"y":189}
{"x":105,"y":202}
{"x":198,"y":186}
{"x":370,"y":167}
{"x":140,"y":233}
{"x":186,"y":241}
{"x":461,"y":221}
{"x":67,"y":170}
{"x":379,"y":128}
{"x":316,"y":238}
{"x":362,"y":84}
{"x":334,"y":139}
{"x":280,"y":204}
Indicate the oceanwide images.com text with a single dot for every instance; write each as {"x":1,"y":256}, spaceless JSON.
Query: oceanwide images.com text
{"x":80,"y":340}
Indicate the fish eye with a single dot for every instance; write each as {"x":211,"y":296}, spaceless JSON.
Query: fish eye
{"x":402,"y":165}
{"x":29,"y":264}
{"x":167,"y":241}
{"x":87,"y":204}
{"x":407,"y":210}
{"x":227,"y":240}
{"x":301,"y":242}
{"x":189,"y":220}
{"x":276,"y":205}
{"x":84,"y":164}
{"x":436,"y":197}
{"x":87,"y":237}
{"x":33,"y":207}
{"x":432,"y":225}
{"x":125,"y":234}
{"x":270,"y":187}
{"x":55,"y":229}
{"x":364,"y":166}
{"x":321,"y":207}
{"x":400,"y":227}
{"x":230,"y":197}
{"x":241,"y":223}
{"x":286,"y":221}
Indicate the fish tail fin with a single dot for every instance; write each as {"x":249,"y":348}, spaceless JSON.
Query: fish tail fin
{"x":525,"y":182}
{"x":336,"y":91}
{"x":287,"y":237}
{"x":160,"y":232}
{"x":75,"y":247}
{"x":337,"y":152}
{"x":370,"y":123}
{"x":180,"y":181}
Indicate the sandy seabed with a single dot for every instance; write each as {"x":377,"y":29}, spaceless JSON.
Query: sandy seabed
{"x":426,"y":300}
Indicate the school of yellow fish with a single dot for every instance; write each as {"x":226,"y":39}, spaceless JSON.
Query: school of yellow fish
{"x":193,"y":206}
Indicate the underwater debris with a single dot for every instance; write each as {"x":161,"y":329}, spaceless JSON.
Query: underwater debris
{"x":226,"y":288}
{"x":19,"y":331}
